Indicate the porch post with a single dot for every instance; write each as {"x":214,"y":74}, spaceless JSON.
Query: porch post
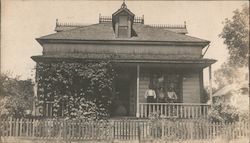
{"x":210,"y":83}
{"x":137,"y":91}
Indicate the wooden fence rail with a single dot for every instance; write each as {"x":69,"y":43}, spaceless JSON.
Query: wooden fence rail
{"x":130,"y":129}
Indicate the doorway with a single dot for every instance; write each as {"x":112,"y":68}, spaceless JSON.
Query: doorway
{"x":122,"y":93}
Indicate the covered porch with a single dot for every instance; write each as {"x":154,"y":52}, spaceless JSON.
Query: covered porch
{"x":185,"y":77}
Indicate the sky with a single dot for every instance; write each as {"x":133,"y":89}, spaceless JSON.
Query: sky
{"x":25,"y":20}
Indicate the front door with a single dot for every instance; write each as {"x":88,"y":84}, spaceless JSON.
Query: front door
{"x":121,"y":101}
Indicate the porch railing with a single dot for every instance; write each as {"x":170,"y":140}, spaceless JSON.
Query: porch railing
{"x":178,"y":110}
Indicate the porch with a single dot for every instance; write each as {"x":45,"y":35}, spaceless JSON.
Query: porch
{"x":185,"y":79}
{"x":134,"y":79}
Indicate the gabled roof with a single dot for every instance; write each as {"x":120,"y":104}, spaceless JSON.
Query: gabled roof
{"x":123,"y":8}
{"x":230,"y":88}
{"x":104,"y":31}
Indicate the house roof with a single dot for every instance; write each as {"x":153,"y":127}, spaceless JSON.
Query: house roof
{"x":104,"y":31}
{"x":180,"y":29}
{"x":230,"y":88}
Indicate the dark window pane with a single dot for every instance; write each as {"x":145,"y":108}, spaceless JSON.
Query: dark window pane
{"x":123,"y":21}
{"x":123,"y":31}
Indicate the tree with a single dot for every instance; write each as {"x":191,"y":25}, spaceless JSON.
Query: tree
{"x":15,"y":96}
{"x":236,"y":36}
{"x":234,"y":71}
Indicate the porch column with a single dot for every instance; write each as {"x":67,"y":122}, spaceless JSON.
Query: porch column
{"x":210,"y":83}
{"x":137,"y":91}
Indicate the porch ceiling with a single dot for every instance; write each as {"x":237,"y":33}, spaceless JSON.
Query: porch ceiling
{"x":197,"y":63}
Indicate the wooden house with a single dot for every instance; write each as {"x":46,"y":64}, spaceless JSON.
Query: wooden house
{"x":161,"y":56}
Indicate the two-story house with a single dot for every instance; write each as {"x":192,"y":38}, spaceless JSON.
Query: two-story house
{"x":162,"y":58}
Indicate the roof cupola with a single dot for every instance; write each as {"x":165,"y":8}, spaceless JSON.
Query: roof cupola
{"x":122,"y":21}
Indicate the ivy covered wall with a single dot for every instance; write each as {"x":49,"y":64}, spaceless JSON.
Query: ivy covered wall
{"x":80,"y":90}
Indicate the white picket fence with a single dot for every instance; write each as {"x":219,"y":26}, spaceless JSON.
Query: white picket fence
{"x":130,"y":129}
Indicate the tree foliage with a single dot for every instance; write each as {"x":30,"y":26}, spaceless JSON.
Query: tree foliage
{"x":236,"y":36}
{"x":228,"y":74}
{"x":234,"y":71}
{"x":15,"y":96}
{"x":78,"y":89}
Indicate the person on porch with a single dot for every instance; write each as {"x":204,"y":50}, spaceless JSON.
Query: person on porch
{"x":172,"y":97}
{"x":150,"y":95}
{"x":118,"y":108}
{"x":161,"y":95}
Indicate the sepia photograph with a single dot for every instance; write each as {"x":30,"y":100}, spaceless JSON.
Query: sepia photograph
{"x":124,"y":71}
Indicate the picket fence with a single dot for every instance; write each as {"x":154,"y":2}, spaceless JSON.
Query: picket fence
{"x":129,"y":129}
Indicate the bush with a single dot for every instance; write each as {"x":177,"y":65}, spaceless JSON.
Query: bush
{"x":16,"y":96}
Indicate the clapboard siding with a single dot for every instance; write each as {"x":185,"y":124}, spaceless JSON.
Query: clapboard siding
{"x":179,"y":51}
{"x":144,"y":82}
{"x":191,"y":88}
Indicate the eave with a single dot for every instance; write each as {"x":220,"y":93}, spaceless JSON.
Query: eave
{"x":197,"y":63}
{"x":123,"y":42}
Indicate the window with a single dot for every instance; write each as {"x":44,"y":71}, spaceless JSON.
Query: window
{"x":165,"y":83}
{"x":123,"y":20}
{"x":123,"y":31}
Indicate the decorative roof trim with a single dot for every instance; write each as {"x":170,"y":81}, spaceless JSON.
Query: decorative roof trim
{"x":105,"y":19}
{"x":123,"y":8}
{"x":170,"y":26}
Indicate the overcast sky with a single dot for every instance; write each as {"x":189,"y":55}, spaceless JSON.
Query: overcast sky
{"x":23,"y":21}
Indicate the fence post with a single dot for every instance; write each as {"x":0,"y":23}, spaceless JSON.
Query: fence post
{"x":162,"y":129}
{"x":191,"y":130}
{"x":139,"y":131}
{"x":10,"y":122}
{"x":33,"y":128}
{"x":27,"y":127}
{"x":110,"y":127}
{"x":60,"y":128}
{"x":17,"y":127}
{"x":1,"y":128}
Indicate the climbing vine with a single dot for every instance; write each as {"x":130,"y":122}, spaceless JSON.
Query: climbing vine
{"x":79,"y":90}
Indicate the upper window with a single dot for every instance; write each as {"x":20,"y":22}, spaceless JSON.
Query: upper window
{"x":123,"y":20}
{"x":123,"y":31}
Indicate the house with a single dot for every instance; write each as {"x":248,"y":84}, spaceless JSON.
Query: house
{"x":162,"y":57}
{"x":236,"y":95}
